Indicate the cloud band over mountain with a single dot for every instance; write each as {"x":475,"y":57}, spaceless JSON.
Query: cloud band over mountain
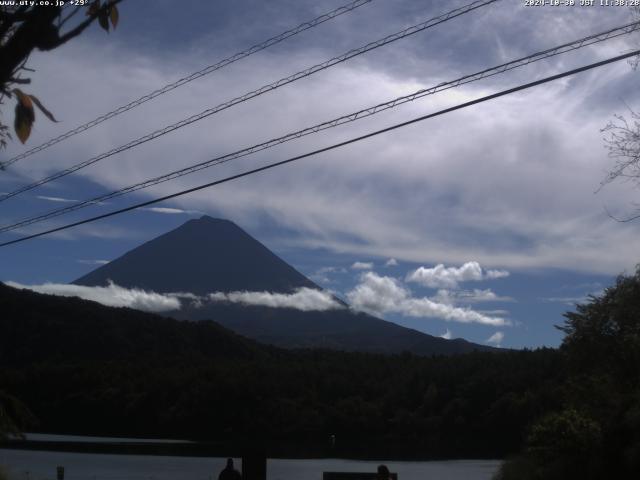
{"x":111,"y":295}
{"x":374,"y":294}
{"x":305,"y":299}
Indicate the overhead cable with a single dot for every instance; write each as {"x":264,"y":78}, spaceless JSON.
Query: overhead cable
{"x":352,"y":117}
{"x":255,"y":93}
{"x":189,"y":78}
{"x":326,"y":149}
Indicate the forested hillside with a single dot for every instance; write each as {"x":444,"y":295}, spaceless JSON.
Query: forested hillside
{"x":595,"y":434}
{"x":85,"y":368}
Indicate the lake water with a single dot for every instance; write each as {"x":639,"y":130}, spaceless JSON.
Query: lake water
{"x":40,"y":465}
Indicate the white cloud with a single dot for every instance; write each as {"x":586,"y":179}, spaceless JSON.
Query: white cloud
{"x":392,"y":262}
{"x":172,"y":211}
{"x":56,"y":199}
{"x":379,"y":295}
{"x":305,"y":299}
{"x":486,"y":295}
{"x":498,"y":311}
{"x":447,"y":335}
{"x":331,"y":270}
{"x":423,"y":307}
{"x":593,"y":290}
{"x":362,"y":266}
{"x":571,"y":301}
{"x":441,"y":197}
{"x":320,"y":278}
{"x":470,"y":296}
{"x":195,"y":301}
{"x":496,"y":339}
{"x":449,"y":277}
{"x":93,"y":262}
{"x":322,"y":274}
{"x":111,"y":295}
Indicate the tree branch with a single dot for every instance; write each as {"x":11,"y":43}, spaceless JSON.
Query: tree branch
{"x":26,"y":37}
{"x":82,"y":26}
{"x":68,"y":17}
{"x":22,"y":81}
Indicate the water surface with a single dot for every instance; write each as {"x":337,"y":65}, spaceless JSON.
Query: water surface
{"x":40,"y":465}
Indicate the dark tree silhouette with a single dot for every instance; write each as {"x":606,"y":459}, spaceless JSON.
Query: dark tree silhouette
{"x":24,"y":28}
{"x":596,"y":433}
{"x":14,"y":416}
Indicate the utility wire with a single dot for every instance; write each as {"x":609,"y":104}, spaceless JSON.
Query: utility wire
{"x":352,"y":117}
{"x":331,"y":147}
{"x":189,"y":78}
{"x":267,"y":88}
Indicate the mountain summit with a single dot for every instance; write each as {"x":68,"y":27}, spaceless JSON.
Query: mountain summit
{"x":201,"y":256}
{"x":210,"y":255}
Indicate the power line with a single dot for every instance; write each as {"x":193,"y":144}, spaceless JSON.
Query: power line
{"x":352,"y":117}
{"x":189,"y":78}
{"x":267,"y":88}
{"x":331,"y":147}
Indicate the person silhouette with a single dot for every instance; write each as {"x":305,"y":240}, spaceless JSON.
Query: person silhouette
{"x":383,"y":473}
{"x":230,"y":473}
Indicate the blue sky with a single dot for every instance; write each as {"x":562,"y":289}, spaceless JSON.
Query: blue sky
{"x":507,"y":184}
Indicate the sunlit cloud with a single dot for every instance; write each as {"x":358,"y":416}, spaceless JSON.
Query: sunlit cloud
{"x":379,"y":295}
{"x":449,"y":277}
{"x":111,"y":295}
{"x":304,"y":299}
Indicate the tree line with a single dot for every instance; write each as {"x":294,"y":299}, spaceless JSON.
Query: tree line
{"x":572,"y":412}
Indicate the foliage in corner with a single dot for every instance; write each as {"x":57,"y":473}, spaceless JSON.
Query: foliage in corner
{"x":25,"y":27}
{"x":597,"y":432}
{"x":25,"y":114}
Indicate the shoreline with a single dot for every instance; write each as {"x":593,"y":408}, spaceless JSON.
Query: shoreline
{"x":222,"y":450}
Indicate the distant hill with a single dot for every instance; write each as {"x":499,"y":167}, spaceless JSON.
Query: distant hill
{"x":335,"y":329}
{"x":213,"y":255}
{"x":84,"y":368}
{"x":46,"y":328}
